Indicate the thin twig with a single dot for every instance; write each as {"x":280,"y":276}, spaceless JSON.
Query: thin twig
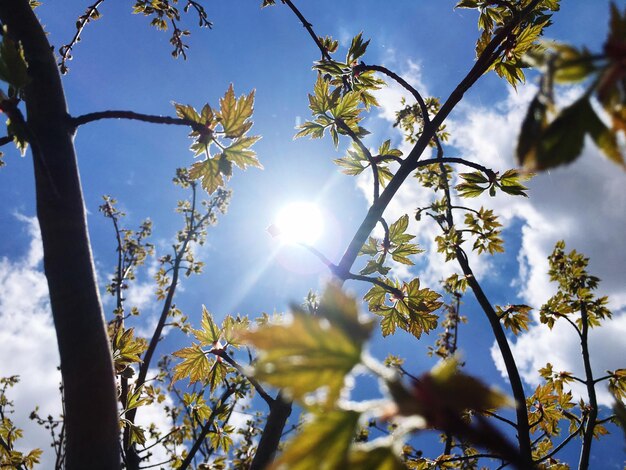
{"x":471,"y":457}
{"x":257,"y":386}
{"x":562,"y":444}
{"x":496,"y":416}
{"x":207,"y":427}
{"x":372,"y":280}
{"x":355,"y":138}
{"x":309,"y":28}
{"x":6,"y":140}
{"x":151,"y":118}
{"x":83,"y":20}
{"x":416,"y":94}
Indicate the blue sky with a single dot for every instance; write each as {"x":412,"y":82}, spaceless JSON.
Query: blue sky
{"x":122,"y":63}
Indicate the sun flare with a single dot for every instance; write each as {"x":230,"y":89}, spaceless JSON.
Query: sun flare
{"x":300,"y":222}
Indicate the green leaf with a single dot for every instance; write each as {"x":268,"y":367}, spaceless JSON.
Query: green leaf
{"x":398,"y":228}
{"x":136,"y":433}
{"x":474,"y":177}
{"x":315,"y":130}
{"x":604,"y":138}
{"x":563,"y":140}
{"x":240,"y":154}
{"x":401,"y":253}
{"x":310,"y":352}
{"x":346,"y":108}
{"x":533,"y":126}
{"x":195,"y":365}
{"x":527,"y":37}
{"x":385,"y":150}
{"x":217,"y":372}
{"x":13,"y":67}
{"x":350,"y":165}
{"x":357,"y":49}
{"x":323,"y":443}
{"x":209,"y":334}
{"x":469,"y":189}
{"x":209,"y":172}
{"x":135,"y":400}
{"x":374,"y":458}
{"x":374,"y":266}
{"x":515,"y":317}
{"x":235,"y":113}
{"x":467,"y":4}
{"x":320,"y":102}
{"x":185,"y":111}
{"x":571,"y":65}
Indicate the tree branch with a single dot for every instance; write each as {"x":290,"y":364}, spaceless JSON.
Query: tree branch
{"x":83,"y":20}
{"x":86,"y":362}
{"x":257,"y":386}
{"x":585,"y":453}
{"x":496,"y":416}
{"x":562,"y":444}
{"x":355,"y":138}
{"x":131,"y":115}
{"x":309,"y":28}
{"x":207,"y":427}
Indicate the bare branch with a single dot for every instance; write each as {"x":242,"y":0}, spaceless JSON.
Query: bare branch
{"x":151,"y":118}
{"x":309,"y":28}
{"x":83,"y":20}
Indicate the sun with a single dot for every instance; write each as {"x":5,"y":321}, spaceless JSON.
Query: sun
{"x":299,"y":222}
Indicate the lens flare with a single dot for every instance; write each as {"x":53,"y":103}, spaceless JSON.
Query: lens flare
{"x":299,"y":222}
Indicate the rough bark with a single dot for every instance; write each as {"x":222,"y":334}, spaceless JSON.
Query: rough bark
{"x":91,"y":420}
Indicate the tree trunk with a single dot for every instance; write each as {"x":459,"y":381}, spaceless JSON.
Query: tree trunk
{"x":91,"y":420}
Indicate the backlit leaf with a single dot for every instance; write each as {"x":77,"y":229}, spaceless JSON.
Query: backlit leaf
{"x":322,"y":445}
{"x":240,"y":154}
{"x":309,"y":353}
{"x":375,"y":458}
{"x":195,"y":365}
{"x":209,"y":174}
{"x":235,"y":113}
{"x":209,"y":334}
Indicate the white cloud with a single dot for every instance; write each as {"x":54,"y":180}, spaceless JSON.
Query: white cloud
{"x":28,"y":342}
{"x":155,"y":415}
{"x":582,"y":204}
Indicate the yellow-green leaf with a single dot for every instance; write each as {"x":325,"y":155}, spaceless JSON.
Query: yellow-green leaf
{"x":308,"y":352}
{"x":195,"y":365}
{"x":209,"y":334}
{"x":235,"y":113}
{"x":322,"y":445}
{"x":240,"y":154}
{"x":208,"y":171}
{"x":376,"y":458}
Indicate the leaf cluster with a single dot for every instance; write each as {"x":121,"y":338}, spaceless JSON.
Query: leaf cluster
{"x":412,"y":312}
{"x":166,"y":14}
{"x":10,"y":457}
{"x":477,"y":182}
{"x":226,"y":130}
{"x":508,"y":61}
{"x":410,"y":119}
{"x":355,"y":162}
{"x":395,"y":243}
